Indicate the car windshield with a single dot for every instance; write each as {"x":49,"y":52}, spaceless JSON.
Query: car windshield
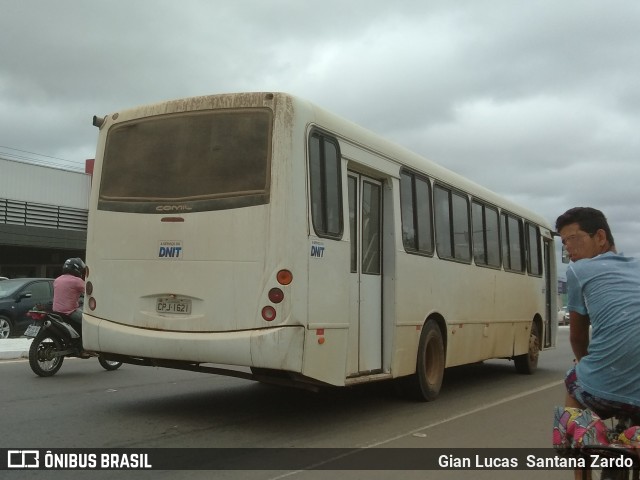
{"x":9,"y":287}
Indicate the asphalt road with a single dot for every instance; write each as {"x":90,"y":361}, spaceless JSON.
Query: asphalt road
{"x":83,"y":406}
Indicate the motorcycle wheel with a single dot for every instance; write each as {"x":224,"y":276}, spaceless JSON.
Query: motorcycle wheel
{"x":109,"y":364}
{"x":42,"y":359}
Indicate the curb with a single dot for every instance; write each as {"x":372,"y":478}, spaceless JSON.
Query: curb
{"x":13,"y":355}
{"x":16,"y":350}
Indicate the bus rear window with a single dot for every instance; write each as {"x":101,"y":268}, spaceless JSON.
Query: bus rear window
{"x":192,"y":162}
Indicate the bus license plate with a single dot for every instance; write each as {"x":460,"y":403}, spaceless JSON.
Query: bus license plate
{"x":32,"y":331}
{"x":180,"y":306}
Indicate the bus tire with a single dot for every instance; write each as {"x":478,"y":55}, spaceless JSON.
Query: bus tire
{"x":527,"y":363}
{"x":425,"y":384}
{"x":108,"y":365}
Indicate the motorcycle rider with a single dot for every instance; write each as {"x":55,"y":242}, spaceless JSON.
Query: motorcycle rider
{"x":67,"y":289}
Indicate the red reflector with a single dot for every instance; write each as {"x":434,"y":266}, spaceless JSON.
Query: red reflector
{"x":284,"y":277}
{"x":269,"y":313}
{"x":276,"y":295}
{"x":92,"y":303}
{"x":172,"y":219}
{"x":36,"y":315}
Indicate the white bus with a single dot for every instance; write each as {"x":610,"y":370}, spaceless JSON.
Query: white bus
{"x":258,"y":230}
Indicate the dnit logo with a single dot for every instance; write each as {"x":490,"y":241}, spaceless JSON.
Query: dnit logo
{"x":171,"y":249}
{"x":23,"y":459}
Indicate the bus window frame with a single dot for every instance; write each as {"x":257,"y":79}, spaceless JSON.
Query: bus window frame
{"x":506,"y":241}
{"x":464,"y":195}
{"x":496,"y":210}
{"x":324,"y":138}
{"x":528,"y":225}
{"x":415,"y":249}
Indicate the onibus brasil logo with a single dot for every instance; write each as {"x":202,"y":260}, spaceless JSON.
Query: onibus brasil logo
{"x":34,"y":459}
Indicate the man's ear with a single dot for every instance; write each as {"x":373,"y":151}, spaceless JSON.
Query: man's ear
{"x":601,"y":237}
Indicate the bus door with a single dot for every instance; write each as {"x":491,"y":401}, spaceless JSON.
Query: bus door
{"x":365,"y":286}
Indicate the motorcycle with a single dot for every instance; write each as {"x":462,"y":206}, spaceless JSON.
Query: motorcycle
{"x":610,"y":448}
{"x":54,"y":338}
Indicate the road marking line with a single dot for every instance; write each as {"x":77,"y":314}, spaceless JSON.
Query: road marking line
{"x":431,"y":425}
{"x":470,"y":412}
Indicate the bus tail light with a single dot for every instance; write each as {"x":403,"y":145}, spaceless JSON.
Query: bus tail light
{"x":89,"y":288}
{"x":269,"y":313}
{"x":92,"y":303}
{"x":276,"y":295}
{"x":284,"y":277}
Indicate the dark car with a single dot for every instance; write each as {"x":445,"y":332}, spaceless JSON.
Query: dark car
{"x":17,"y":297}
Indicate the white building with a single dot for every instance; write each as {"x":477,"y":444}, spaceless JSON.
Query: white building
{"x":43,"y":217}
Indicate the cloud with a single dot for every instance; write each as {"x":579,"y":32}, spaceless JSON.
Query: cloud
{"x":538,"y":101}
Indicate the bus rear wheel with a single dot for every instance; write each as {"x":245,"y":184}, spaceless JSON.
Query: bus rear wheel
{"x":425,"y":384}
{"x":527,"y":363}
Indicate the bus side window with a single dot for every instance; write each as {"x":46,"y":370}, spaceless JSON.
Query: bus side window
{"x":326,"y":190}
{"x":453,"y":239}
{"x":512,"y":243}
{"x":486,"y":235}
{"x":534,"y":257}
{"x":415,"y":203}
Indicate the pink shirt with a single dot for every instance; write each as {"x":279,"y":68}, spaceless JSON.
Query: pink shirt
{"x":66,"y":293}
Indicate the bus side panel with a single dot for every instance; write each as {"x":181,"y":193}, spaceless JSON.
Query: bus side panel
{"x":406,"y":341}
{"x":522,"y":335}
{"x":473,"y":342}
{"x":328,"y":310}
{"x":324,"y":355}
{"x":481,"y":323}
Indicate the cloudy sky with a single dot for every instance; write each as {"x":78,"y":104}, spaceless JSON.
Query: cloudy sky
{"x":537,"y":100}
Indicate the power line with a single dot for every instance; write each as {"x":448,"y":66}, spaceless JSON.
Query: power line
{"x":34,"y":153}
{"x":39,"y":161}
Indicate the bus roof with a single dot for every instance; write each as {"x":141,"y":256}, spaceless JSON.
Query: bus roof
{"x":343,"y":129}
{"x":377,"y":144}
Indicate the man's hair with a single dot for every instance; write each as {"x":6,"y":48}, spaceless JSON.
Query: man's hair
{"x":588,"y":219}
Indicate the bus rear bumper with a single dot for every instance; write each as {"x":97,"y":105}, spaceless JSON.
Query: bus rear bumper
{"x":277,"y":348}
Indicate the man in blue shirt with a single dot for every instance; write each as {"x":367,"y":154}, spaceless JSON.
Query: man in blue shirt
{"x":604,"y":292}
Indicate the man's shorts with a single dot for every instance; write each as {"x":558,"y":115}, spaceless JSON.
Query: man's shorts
{"x":604,"y":408}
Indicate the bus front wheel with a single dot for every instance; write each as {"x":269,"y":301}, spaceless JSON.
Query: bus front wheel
{"x":425,"y":384}
{"x":527,"y":363}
